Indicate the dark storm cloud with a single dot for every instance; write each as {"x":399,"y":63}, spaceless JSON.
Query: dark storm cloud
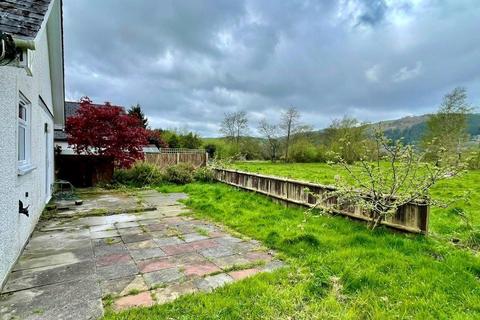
{"x":188,"y":62}
{"x":373,"y":12}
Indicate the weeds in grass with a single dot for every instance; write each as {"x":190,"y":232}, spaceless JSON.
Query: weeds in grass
{"x":133,"y":292}
{"x":245,"y":266}
{"x":158,"y":286}
{"x":48,"y":214}
{"x":97,"y":212}
{"x":201,"y":231}
{"x":143,"y":228}
{"x":238,"y":267}
{"x":175,"y":232}
{"x":110,"y":241}
{"x":472,"y":238}
{"x":153,"y":295}
{"x":108,"y":300}
{"x":39,"y":311}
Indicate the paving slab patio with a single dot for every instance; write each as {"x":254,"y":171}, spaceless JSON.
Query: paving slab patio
{"x":75,"y":265}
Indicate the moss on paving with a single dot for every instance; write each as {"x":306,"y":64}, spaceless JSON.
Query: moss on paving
{"x":337,"y":268}
{"x":52,"y":212}
{"x":97,"y":212}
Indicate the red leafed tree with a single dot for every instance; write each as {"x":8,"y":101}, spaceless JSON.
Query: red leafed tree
{"x":106,"y":131}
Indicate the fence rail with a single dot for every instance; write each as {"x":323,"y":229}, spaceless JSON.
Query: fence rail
{"x":162,"y":160}
{"x":412,"y":217}
{"x":181,"y":150}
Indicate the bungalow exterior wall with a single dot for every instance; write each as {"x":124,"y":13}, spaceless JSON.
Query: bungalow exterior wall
{"x":16,"y":228}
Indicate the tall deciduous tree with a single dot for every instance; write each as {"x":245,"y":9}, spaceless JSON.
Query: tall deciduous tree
{"x":235,"y":126}
{"x":346,"y":137}
{"x":137,"y":112}
{"x":171,"y":138}
{"x":190,"y":140}
{"x":185,"y":139}
{"x":271,"y":133}
{"x":447,"y":129}
{"x":290,"y":124}
{"x":106,"y":131}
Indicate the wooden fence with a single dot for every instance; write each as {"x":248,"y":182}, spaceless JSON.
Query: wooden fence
{"x":181,"y":150}
{"x":412,"y":217}
{"x":165,"y":159}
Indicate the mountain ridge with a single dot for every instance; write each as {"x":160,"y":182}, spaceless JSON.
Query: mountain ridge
{"x":412,"y":128}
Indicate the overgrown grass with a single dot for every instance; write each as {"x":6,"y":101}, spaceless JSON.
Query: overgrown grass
{"x":443,"y":222}
{"x":338,"y":269}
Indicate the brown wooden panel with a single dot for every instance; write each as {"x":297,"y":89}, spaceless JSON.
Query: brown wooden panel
{"x":412,"y":217}
{"x":163,"y":160}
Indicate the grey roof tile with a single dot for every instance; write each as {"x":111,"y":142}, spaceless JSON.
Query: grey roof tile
{"x":22,"y":18}
{"x":71,"y":108}
{"x":60,"y":135}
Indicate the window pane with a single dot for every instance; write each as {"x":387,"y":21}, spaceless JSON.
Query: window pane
{"x":22,"y":112}
{"x":21,"y":143}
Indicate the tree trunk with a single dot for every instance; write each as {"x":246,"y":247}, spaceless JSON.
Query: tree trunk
{"x":273,"y":152}
{"x":288,"y":141}
{"x":237,"y":140}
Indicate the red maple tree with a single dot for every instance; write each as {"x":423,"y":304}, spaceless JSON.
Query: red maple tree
{"x":106,"y":131}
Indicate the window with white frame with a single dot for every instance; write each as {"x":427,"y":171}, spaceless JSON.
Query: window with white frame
{"x":24,"y":124}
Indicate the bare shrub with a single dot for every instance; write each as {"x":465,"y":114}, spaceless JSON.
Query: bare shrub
{"x":399,"y":175}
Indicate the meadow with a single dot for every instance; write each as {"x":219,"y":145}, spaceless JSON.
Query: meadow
{"x":444,"y":223}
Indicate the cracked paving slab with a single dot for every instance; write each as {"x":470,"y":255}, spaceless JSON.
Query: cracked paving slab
{"x":79,"y":299}
{"x":141,"y":259}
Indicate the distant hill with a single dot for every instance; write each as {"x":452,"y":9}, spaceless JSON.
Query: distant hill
{"x":413,"y":128}
{"x":410,"y":128}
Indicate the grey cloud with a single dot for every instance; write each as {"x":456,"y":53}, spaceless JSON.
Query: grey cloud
{"x":374,"y":12}
{"x":188,"y":62}
{"x":406,"y":73}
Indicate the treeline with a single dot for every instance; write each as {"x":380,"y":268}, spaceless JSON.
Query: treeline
{"x":286,"y":140}
{"x":291,"y":140}
{"x":166,"y":138}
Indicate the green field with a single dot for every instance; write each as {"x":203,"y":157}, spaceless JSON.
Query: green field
{"x":338,"y":269}
{"x":444,"y":223}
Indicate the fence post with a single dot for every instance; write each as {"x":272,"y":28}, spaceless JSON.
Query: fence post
{"x":178,"y":157}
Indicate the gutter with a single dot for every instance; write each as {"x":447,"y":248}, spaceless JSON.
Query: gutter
{"x":14,"y":51}
{"x":24,"y":44}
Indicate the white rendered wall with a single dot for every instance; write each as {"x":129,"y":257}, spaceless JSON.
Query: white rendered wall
{"x":15,"y":228}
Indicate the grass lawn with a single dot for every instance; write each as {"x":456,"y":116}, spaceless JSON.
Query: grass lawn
{"x":338,"y":269}
{"x":443,"y":222}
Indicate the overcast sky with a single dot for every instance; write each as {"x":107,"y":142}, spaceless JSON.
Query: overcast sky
{"x":188,"y":62}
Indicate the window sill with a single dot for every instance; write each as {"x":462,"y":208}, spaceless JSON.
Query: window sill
{"x":23,"y":170}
